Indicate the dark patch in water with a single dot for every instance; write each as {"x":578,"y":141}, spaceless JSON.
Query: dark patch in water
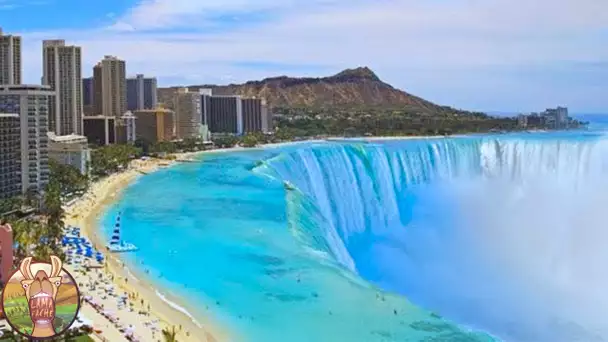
{"x":284,"y":297}
{"x":277,"y":272}
{"x":262,"y":259}
{"x":434,"y":315}
{"x":383,"y":333}
{"x":430,"y":327}
{"x":451,"y":337}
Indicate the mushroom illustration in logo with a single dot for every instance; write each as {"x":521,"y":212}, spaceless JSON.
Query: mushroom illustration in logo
{"x":40,"y":292}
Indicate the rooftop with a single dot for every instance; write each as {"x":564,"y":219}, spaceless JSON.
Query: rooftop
{"x":65,"y":138}
{"x":53,"y":42}
{"x":111,"y":58}
{"x":139,"y":76}
{"x":97,"y":117}
{"x":152,"y":111}
{"x":18,"y":87}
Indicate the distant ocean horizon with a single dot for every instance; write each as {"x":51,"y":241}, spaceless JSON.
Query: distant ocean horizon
{"x":596,"y":120}
{"x":573,"y":114}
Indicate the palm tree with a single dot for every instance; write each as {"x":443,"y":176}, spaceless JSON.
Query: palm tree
{"x":24,"y":236}
{"x":170,"y":335}
{"x":55,"y":214}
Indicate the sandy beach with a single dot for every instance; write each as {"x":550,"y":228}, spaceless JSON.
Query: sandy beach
{"x":84,"y":213}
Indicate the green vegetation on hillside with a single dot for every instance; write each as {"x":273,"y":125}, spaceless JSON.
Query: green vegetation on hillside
{"x":341,"y":121}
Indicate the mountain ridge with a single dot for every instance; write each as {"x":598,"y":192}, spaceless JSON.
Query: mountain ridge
{"x":350,"y":87}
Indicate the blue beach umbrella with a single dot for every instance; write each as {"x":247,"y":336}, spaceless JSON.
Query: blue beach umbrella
{"x":79,"y":251}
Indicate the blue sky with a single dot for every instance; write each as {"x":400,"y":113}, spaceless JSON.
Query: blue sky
{"x":492,"y":55}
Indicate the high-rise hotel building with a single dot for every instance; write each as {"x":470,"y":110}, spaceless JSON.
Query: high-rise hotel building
{"x":62,"y":71}
{"x":154,"y":125}
{"x":109,"y":87}
{"x":233,"y":114}
{"x":10,"y":59}
{"x":10,"y":156}
{"x":188,"y":107}
{"x":88,"y":95}
{"x":141,"y":93}
{"x":31,"y":104}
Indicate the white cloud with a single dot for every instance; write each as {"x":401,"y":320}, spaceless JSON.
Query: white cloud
{"x":397,"y":38}
{"x":156,"y":14}
{"x":6,"y":5}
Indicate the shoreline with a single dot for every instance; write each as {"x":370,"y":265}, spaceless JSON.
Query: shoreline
{"x":86,"y":212}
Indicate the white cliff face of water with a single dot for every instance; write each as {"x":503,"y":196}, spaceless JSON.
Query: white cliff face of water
{"x":503,"y":234}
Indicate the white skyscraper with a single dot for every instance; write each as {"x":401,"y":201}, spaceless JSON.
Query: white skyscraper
{"x":62,"y":71}
{"x":30,"y":103}
{"x":110,"y":87}
{"x":10,"y":59}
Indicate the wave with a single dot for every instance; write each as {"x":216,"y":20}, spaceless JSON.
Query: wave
{"x":130,"y":274}
{"x":405,"y":214}
{"x":178,"y":308}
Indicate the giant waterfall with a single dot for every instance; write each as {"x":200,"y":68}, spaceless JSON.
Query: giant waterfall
{"x":504,"y":234}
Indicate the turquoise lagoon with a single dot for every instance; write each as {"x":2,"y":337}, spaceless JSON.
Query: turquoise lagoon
{"x":451,"y":239}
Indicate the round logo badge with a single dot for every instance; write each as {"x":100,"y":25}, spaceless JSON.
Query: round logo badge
{"x":41,"y":300}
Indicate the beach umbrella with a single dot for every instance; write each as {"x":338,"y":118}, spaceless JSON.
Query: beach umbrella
{"x":79,"y":251}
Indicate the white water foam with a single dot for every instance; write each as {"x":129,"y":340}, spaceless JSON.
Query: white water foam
{"x":178,"y":308}
{"x":130,"y":274}
{"x":524,"y":256}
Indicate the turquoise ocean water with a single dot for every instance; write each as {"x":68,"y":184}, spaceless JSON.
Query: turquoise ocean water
{"x":454,"y":239}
